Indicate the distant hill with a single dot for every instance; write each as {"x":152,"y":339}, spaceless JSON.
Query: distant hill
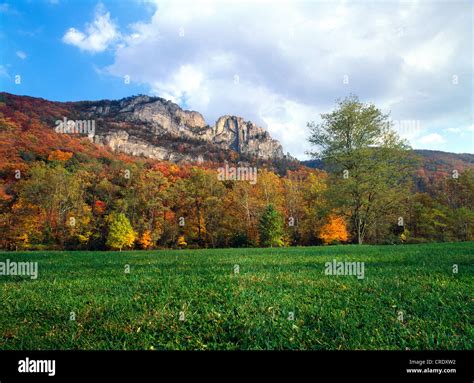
{"x":434,"y":164}
{"x":432,"y":160}
{"x":435,"y":160}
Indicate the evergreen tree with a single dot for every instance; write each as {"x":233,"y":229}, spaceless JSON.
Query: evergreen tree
{"x":271,"y":227}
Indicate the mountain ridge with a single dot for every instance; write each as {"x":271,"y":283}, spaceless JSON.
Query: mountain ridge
{"x":156,"y":128}
{"x":152,"y":127}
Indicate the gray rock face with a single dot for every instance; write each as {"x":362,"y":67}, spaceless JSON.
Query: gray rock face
{"x":153,"y":127}
{"x":245,"y":137}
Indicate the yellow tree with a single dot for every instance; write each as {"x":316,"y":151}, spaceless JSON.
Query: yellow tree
{"x":334,"y":231}
{"x":121,"y":233}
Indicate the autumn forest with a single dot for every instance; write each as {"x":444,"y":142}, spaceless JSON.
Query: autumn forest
{"x":63,"y":192}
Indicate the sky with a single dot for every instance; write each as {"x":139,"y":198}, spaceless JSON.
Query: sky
{"x":277,"y":63}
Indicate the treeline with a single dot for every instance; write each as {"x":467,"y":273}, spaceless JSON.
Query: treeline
{"x":62,"y":192}
{"x":73,"y":201}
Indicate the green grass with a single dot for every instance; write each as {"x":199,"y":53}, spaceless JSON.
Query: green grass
{"x":249,"y":310}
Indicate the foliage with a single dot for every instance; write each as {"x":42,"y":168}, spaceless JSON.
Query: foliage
{"x":57,"y":190}
{"x":334,"y":231}
{"x":59,"y":155}
{"x":121,"y":233}
{"x":271,"y":227}
{"x":181,"y":242}
{"x":145,"y":240}
{"x":370,"y":165}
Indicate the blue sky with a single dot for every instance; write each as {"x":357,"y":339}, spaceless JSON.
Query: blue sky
{"x":31,"y":45}
{"x":279,"y":64}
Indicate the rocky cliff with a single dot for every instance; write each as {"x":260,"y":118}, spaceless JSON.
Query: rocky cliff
{"x":156,"y":128}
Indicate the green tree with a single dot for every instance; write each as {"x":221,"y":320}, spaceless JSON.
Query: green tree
{"x":370,"y":165}
{"x":271,"y":227}
{"x":121,"y":233}
{"x":428,"y":218}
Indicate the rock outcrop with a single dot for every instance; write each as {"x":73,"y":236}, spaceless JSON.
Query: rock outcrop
{"x":153,"y":127}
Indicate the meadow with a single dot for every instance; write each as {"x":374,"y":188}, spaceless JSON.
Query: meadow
{"x":411,"y":297}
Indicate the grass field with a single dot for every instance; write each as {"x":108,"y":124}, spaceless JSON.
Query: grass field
{"x":409,"y":298}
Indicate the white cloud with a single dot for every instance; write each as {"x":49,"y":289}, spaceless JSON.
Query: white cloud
{"x":21,"y":54}
{"x":184,"y":82}
{"x":290,"y":59}
{"x":431,"y":139}
{"x":434,"y":54}
{"x":98,"y":35}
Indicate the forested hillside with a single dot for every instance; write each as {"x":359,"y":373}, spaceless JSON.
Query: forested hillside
{"x":62,"y":191}
{"x":434,"y":165}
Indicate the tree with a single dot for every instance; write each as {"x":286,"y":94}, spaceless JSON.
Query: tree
{"x":334,"y":231}
{"x":370,"y":165}
{"x":121,"y":233}
{"x":145,"y":240}
{"x":305,"y":205}
{"x":199,"y":202}
{"x":146,"y":200}
{"x":59,"y":155}
{"x":182,"y":242}
{"x":428,"y":218}
{"x":271,"y":227}
{"x":242,"y":224}
{"x":60,"y":195}
{"x":22,"y":225}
